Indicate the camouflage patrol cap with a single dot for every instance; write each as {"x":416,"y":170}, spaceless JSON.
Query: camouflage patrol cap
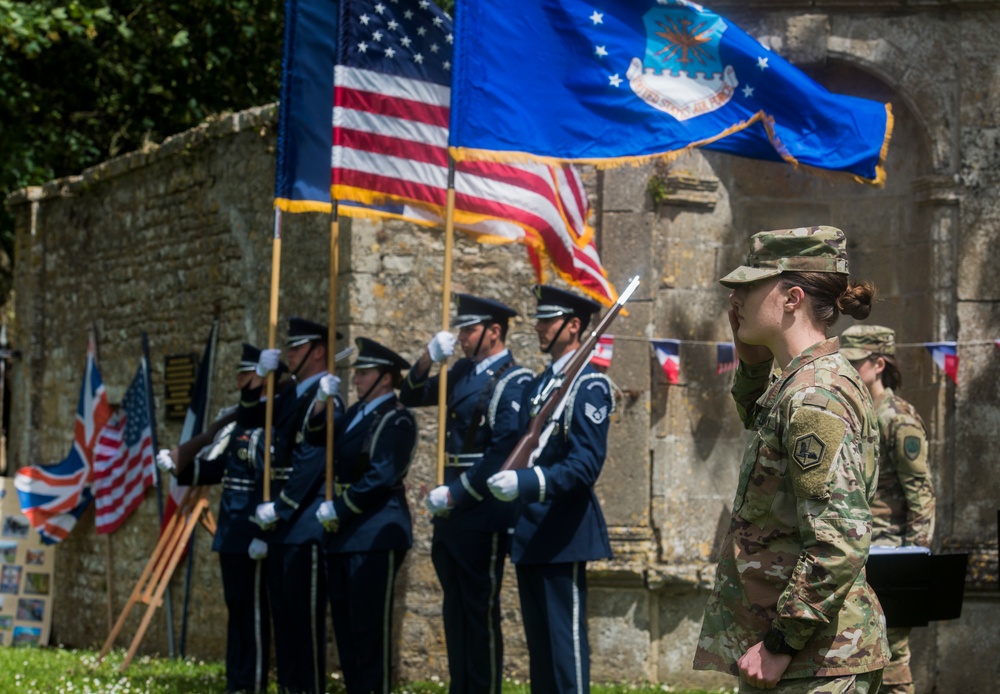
{"x":806,"y":249}
{"x":861,"y":341}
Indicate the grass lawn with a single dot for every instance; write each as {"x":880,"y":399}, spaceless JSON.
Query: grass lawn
{"x":55,"y":670}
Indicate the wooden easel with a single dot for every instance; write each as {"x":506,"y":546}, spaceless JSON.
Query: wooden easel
{"x":160,"y":568}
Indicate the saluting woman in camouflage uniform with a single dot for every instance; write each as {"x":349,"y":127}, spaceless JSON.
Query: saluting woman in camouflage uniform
{"x":903,"y":510}
{"x":791,"y":609}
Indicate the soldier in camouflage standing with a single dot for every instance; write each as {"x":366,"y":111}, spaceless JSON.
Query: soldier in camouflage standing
{"x":903,"y":510}
{"x":791,"y":609}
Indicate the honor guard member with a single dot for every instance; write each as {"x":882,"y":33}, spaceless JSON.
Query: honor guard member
{"x":296,"y":577}
{"x":230,"y":459}
{"x":791,"y":609}
{"x":471,"y":526}
{"x":368,"y":521}
{"x":903,"y":509}
{"x":560,"y":526}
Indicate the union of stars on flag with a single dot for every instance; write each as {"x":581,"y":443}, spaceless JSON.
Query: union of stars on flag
{"x":392,"y":104}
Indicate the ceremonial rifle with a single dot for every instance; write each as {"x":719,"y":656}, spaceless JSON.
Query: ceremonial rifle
{"x":548,"y":405}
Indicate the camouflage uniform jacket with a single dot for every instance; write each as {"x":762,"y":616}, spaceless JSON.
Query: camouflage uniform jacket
{"x":794,"y":555}
{"x":903,"y":510}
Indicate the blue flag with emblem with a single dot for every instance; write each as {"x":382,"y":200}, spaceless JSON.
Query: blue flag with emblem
{"x":608,"y":81}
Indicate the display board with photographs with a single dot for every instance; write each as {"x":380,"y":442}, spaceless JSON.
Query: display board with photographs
{"x":25,"y":576}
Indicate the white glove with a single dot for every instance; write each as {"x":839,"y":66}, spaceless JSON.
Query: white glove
{"x":329,"y":386}
{"x":437,"y":500}
{"x":326,"y":514}
{"x":268,"y":361}
{"x":441,"y":346}
{"x":265,"y":516}
{"x":165,"y":462}
{"x":503,"y":485}
{"x":257,"y":549}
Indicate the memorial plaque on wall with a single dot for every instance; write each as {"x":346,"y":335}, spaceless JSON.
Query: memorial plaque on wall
{"x":178,"y":379}
{"x":25,"y":576}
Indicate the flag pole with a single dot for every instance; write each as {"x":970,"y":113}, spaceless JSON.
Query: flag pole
{"x":332,"y":338}
{"x":210,"y":369}
{"x":92,"y":337}
{"x":449,"y":244}
{"x":151,"y":418}
{"x":272,"y":328}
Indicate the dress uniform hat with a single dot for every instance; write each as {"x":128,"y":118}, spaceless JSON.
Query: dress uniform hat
{"x":301,"y":331}
{"x":372,"y":355}
{"x":472,"y":310}
{"x":553,"y":302}
{"x":806,"y":249}
{"x":249,"y":357}
{"x":862,"y":341}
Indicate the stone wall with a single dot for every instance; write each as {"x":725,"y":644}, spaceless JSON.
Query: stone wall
{"x":163,"y":241}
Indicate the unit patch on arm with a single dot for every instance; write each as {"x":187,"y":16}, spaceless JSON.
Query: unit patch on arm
{"x":814,"y":438}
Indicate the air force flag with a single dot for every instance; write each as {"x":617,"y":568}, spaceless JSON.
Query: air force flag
{"x":610,"y":80}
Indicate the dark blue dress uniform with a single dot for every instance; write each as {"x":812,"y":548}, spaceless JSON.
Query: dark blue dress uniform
{"x":471,"y":541}
{"x":560,"y":527}
{"x":295,"y":569}
{"x":372,"y":456}
{"x":231,"y":460}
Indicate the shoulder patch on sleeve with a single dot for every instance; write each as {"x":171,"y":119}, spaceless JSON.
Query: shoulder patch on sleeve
{"x":911,"y":448}
{"x":814,"y":439}
{"x":595,"y":414}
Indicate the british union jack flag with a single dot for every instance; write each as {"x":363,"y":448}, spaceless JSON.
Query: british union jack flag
{"x":53,"y":497}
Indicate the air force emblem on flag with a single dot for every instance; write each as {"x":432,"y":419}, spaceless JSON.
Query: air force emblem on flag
{"x":594,"y":414}
{"x":682,"y":73}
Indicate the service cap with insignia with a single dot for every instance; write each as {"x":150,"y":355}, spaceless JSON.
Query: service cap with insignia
{"x":372,"y":355}
{"x":472,"y":310}
{"x":553,"y":302}
{"x":249,"y":357}
{"x":301,"y":331}
{"x":805,"y":249}
{"x":862,"y":341}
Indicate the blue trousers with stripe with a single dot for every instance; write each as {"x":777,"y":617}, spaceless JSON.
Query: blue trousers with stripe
{"x":361,"y":586}
{"x":297,"y":589}
{"x":554,"y":609}
{"x":248,"y":635}
{"x":469,"y":566}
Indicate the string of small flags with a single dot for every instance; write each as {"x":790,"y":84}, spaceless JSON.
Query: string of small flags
{"x":668,"y":353}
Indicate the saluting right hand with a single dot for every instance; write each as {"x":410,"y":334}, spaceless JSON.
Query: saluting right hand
{"x":441,"y":346}
{"x":748,"y":354}
{"x":268,"y":361}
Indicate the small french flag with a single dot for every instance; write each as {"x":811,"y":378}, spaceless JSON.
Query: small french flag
{"x":725,"y":357}
{"x":668,"y":353}
{"x":603,"y":351}
{"x":945,"y":357}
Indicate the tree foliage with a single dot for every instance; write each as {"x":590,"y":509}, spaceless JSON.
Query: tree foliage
{"x":85,"y":80}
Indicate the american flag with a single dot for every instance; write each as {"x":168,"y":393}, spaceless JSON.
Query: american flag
{"x":123,"y":459}
{"x":53,"y":497}
{"x":668,"y":353}
{"x":725,"y":357}
{"x":603,"y":351}
{"x":392,"y":102}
